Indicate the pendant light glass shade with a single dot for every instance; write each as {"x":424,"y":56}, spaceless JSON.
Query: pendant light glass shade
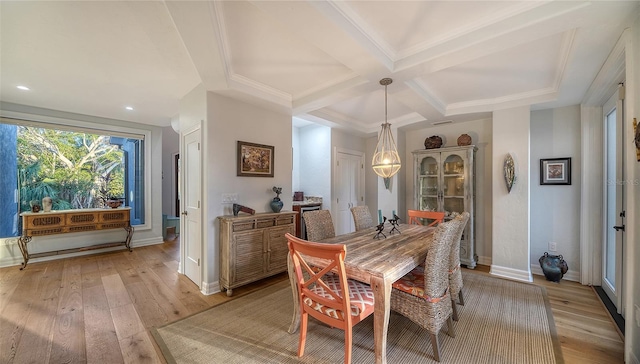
{"x":386,"y":160}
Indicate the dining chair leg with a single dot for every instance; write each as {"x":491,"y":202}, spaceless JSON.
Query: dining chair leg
{"x":451,"y":331}
{"x":461,"y":298}
{"x":303,"y":333}
{"x":436,"y":347}
{"x":455,"y":310}
{"x":348,"y":338}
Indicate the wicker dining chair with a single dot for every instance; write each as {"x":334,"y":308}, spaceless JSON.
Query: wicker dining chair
{"x":362,"y":217}
{"x":423,"y":294}
{"x":416,"y":215}
{"x":455,"y":274}
{"x":319,"y":225}
{"x":326,"y":296}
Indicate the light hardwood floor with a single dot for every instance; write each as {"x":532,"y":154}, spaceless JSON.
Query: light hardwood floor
{"x":99,"y":309}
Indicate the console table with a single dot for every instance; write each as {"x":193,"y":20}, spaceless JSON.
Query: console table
{"x":72,"y":221}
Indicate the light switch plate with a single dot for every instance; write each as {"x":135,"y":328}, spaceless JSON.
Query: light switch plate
{"x":229,"y":198}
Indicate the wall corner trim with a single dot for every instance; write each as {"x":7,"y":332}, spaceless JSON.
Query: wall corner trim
{"x":510,"y":273}
{"x":210,"y":288}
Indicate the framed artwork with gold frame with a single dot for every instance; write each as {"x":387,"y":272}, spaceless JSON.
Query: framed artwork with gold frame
{"x":255,"y":160}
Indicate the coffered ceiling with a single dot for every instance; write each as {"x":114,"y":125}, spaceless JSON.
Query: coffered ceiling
{"x":319,"y":60}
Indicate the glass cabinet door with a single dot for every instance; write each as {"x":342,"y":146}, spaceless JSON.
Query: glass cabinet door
{"x":445,"y":181}
{"x":428,"y":184}
{"x":453,"y":175}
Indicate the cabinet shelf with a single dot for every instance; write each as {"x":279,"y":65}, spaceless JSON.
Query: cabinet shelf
{"x":455,"y":168}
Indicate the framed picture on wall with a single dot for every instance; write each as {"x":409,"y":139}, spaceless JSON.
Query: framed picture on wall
{"x":255,"y":160}
{"x":555,"y":171}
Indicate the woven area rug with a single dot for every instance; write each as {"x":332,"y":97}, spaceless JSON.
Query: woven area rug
{"x":501,"y":322}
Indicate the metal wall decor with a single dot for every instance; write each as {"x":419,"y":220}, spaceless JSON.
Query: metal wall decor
{"x":636,"y":138}
{"x":509,"y":169}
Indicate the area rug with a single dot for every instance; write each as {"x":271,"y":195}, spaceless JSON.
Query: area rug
{"x":501,"y":322}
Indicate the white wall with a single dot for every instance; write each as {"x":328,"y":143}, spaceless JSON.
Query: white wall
{"x":371,"y":178}
{"x":295,"y":144}
{"x":632,"y":332}
{"x":228,"y":121}
{"x":511,"y":209}
{"x":555,"y":210}
{"x":315,"y":162}
{"x":481,"y":134}
{"x":170,"y":147}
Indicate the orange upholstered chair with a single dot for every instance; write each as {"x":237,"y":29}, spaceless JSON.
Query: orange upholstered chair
{"x":320,"y":291}
{"x":416,"y":215}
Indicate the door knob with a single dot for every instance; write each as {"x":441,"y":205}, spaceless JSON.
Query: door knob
{"x":618,"y":228}
{"x":185,"y":212}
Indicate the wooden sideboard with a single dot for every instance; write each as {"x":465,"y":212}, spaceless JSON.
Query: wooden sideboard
{"x":72,"y":221}
{"x":253,"y":247}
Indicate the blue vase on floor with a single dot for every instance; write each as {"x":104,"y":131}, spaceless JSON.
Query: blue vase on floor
{"x":553,"y":266}
{"x":276,"y":204}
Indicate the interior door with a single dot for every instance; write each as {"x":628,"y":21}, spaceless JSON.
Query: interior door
{"x":349,"y":177}
{"x":191,"y":237}
{"x":614,"y":216}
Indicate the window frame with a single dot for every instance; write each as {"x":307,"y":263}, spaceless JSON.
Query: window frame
{"x":99,"y":127}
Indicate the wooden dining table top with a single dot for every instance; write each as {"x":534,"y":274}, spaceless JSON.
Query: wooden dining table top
{"x":390,"y":257}
{"x":379,"y":263}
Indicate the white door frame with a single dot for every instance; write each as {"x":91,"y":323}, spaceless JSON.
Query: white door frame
{"x":184,"y":177}
{"x":615,"y":291}
{"x":335,"y":182}
{"x":592,"y":134}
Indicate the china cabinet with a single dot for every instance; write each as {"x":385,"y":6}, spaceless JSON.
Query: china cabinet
{"x":445,"y":181}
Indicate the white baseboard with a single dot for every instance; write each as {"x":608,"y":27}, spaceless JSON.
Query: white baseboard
{"x":571,"y":275}
{"x":145,"y":242}
{"x":634,"y":359}
{"x":15,"y":260}
{"x":210,"y":288}
{"x":510,"y":273}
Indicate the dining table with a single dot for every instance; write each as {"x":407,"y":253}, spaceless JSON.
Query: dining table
{"x":377,"y":261}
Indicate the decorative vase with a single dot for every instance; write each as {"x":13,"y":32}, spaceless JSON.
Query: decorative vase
{"x":553,"y":266}
{"x":276,"y":204}
{"x":464,"y":139}
{"x":47,"y":203}
{"x":114,"y":203}
{"x":35,"y":206}
{"x":433,"y":142}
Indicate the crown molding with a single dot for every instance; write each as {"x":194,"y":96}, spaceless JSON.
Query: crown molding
{"x":349,"y":21}
{"x":611,"y":73}
{"x":567,"y":49}
{"x":260,"y":90}
{"x":504,"y":102}
{"x":423,"y":91}
{"x":216,"y":12}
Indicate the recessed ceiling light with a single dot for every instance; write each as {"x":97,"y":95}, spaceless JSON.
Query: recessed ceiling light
{"x":129,"y":108}
{"x":23,"y":88}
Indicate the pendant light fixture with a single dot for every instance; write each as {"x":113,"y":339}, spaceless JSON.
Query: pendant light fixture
{"x":386,"y":161}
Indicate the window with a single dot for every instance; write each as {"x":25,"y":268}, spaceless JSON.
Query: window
{"x":77,"y":167}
